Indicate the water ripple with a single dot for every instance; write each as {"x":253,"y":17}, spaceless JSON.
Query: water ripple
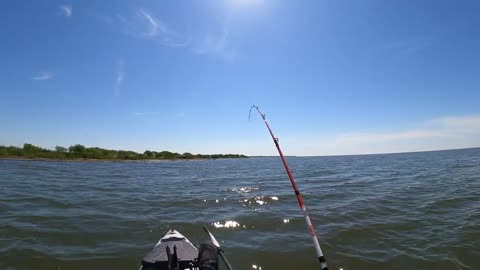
{"x":416,"y":210}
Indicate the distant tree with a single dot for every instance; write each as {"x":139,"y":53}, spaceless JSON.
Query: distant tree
{"x":165,"y":155}
{"x":77,"y":148}
{"x":60,"y":149}
{"x":15,"y":151}
{"x":30,"y":148}
{"x":187,"y":155}
{"x":80,"y":151}
{"x":130,"y":155}
{"x":27,"y":147}
{"x":148,"y":154}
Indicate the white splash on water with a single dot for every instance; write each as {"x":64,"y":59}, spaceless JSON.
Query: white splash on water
{"x":286,"y":220}
{"x":226,"y":224}
{"x":244,"y":189}
{"x":275,"y":198}
{"x":260,"y":202}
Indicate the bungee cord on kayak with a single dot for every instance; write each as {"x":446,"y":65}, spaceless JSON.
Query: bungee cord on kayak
{"x":316,"y":244}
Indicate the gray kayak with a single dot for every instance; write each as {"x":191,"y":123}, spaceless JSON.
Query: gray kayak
{"x":173,"y":251}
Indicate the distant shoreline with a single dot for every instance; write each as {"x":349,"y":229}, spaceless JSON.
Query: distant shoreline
{"x":105,"y":160}
{"x":79,"y":152}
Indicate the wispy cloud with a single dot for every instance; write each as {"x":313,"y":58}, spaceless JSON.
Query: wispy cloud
{"x":159,"y":31}
{"x":216,"y":44}
{"x":66,"y":10}
{"x":435,"y":134}
{"x":144,"y":24}
{"x":43,"y":76}
{"x":436,"y":130}
{"x":154,"y":26}
{"x":120,"y":76}
{"x":465,"y":124}
{"x":389,"y":136}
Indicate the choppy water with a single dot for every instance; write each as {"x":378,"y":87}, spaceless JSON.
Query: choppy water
{"x":399,"y":211}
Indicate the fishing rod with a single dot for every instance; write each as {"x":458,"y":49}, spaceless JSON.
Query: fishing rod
{"x":316,"y":244}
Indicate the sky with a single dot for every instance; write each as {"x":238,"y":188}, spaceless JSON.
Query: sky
{"x":333,"y":77}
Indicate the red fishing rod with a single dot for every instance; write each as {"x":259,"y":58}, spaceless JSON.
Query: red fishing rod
{"x":316,"y":244}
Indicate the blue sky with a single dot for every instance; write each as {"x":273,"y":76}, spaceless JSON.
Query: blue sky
{"x":333,"y":77}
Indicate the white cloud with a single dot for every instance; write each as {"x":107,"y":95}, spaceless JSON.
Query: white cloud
{"x":216,"y":44}
{"x":155,"y":27}
{"x":466,"y":124}
{"x":66,"y":10}
{"x":43,"y":76}
{"x":146,"y":25}
{"x":159,"y":31}
{"x":436,"y":134}
{"x":120,"y":76}
{"x":386,"y":137}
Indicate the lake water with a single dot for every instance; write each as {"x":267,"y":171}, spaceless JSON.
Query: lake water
{"x":397,"y":211}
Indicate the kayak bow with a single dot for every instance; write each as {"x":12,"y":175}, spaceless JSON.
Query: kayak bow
{"x":173,"y":251}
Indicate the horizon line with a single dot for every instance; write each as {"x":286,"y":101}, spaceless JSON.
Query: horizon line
{"x":371,"y":154}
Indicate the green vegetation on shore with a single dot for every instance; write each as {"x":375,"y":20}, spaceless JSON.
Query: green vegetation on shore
{"x":79,"y":151}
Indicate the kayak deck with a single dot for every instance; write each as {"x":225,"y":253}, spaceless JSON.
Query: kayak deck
{"x":173,"y":251}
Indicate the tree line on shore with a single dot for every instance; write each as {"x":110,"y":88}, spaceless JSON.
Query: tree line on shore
{"x":79,"y":151}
